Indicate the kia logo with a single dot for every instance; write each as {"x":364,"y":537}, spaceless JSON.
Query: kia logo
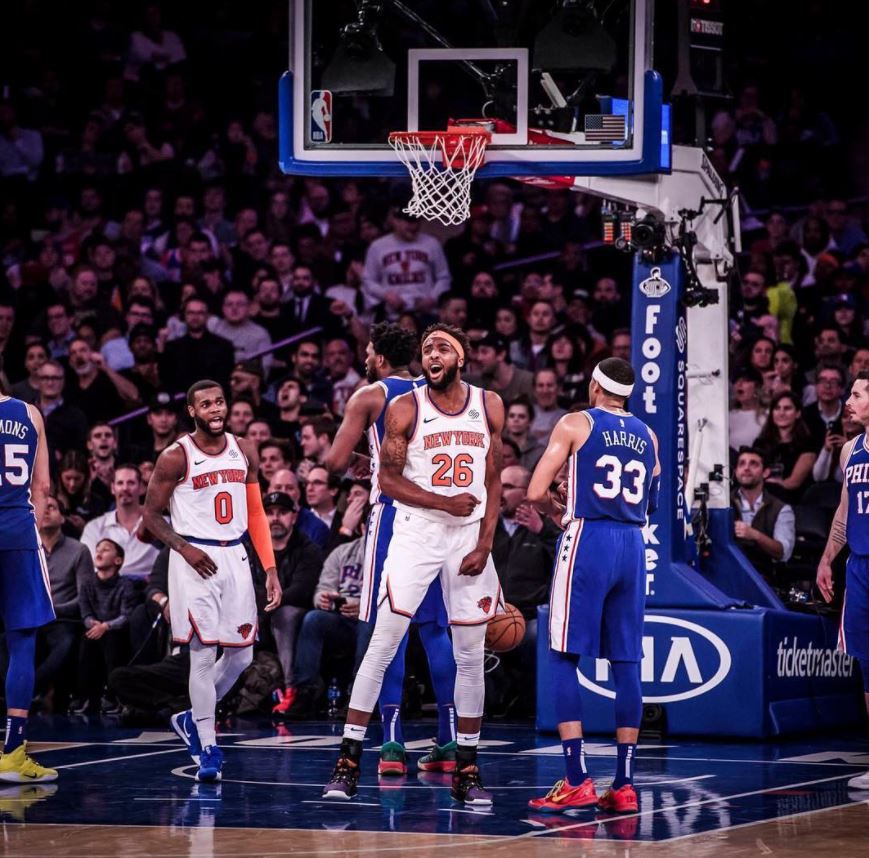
{"x":686,"y":656}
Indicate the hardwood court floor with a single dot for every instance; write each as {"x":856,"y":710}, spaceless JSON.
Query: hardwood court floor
{"x":129,"y":792}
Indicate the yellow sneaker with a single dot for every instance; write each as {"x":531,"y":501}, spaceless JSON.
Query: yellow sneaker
{"x":18,"y":768}
{"x":17,"y":799}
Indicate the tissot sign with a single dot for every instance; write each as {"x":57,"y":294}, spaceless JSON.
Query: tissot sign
{"x":681,"y":660}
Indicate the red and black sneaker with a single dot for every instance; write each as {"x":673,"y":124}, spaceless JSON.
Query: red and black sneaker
{"x":621,"y":800}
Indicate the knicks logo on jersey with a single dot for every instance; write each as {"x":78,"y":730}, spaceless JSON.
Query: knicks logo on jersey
{"x":457,"y":438}
{"x":244,"y":630}
{"x":213,"y":478}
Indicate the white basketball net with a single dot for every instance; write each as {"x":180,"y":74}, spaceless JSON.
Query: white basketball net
{"x":442,"y":166}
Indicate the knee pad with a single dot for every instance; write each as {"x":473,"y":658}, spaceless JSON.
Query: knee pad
{"x":469,"y":652}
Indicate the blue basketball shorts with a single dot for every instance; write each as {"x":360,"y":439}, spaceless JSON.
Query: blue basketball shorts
{"x":25,"y":591}
{"x":599,"y":591}
{"x":377,"y":540}
{"x":854,"y":627}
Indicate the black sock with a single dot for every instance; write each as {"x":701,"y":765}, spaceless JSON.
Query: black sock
{"x":352,"y":749}
{"x":466,"y":755}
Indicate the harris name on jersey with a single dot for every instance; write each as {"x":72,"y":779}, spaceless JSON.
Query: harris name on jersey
{"x":623,"y":438}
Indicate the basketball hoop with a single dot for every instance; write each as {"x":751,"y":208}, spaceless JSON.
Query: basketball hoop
{"x":442,"y":165}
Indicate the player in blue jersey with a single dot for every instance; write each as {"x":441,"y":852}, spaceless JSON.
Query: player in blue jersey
{"x":25,"y":597}
{"x":390,"y":351}
{"x":851,"y":526}
{"x":599,"y":581}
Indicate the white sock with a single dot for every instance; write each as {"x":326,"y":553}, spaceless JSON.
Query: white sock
{"x":203,"y":697}
{"x":469,"y":740}
{"x":355,"y":732}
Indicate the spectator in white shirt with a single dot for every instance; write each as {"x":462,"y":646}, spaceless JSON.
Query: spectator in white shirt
{"x":747,"y":417}
{"x":406,"y":270}
{"x":120,"y":525}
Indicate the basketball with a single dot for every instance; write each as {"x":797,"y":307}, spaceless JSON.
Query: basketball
{"x":505,"y":630}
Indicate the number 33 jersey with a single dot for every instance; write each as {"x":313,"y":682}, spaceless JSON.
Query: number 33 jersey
{"x":210,"y":502}
{"x":610,"y":475}
{"x":446,"y":453}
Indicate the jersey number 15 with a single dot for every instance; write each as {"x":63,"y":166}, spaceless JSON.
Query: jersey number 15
{"x":15,"y":472}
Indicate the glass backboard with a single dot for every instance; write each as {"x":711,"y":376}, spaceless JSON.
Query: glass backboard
{"x":568,"y":84}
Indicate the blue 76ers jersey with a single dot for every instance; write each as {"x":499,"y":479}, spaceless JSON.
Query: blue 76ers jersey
{"x":610,"y":475}
{"x":392,"y":387}
{"x":857,"y":481}
{"x":18,"y":439}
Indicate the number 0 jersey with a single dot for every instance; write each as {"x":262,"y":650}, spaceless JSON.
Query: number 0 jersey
{"x":857,"y":482}
{"x":392,"y":387}
{"x":210,"y":502}
{"x":446,"y":453}
{"x":18,"y":440}
{"x":610,"y":475}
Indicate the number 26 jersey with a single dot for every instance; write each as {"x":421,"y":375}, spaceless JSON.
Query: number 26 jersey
{"x":446,"y":453}
{"x":610,"y":475}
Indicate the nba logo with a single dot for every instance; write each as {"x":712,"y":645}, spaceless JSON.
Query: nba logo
{"x":321,"y":116}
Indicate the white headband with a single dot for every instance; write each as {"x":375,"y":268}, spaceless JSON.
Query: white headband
{"x":609,"y":385}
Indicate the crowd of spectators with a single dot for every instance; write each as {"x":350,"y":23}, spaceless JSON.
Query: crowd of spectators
{"x":148,"y":240}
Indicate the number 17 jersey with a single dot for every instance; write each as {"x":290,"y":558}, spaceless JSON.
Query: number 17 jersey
{"x":610,"y":475}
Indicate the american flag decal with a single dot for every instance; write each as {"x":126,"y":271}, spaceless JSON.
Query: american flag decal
{"x":604,"y":127}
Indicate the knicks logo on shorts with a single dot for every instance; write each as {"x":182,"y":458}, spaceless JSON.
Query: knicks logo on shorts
{"x":244,"y":629}
{"x":485,"y":604}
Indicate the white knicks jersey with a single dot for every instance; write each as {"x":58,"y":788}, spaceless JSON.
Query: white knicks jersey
{"x":210,"y":502}
{"x":447,"y":453}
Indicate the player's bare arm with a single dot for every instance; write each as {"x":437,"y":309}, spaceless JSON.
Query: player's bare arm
{"x":40,"y":483}
{"x":569,"y":434}
{"x":362,"y":409}
{"x":475,"y":562}
{"x":838,"y":538}
{"x":258,"y":525}
{"x":168,"y":472}
{"x":400,"y":422}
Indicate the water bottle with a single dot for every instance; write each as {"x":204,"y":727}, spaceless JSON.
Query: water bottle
{"x":333,"y":697}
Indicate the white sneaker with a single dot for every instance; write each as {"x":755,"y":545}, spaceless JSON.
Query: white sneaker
{"x":860,"y":782}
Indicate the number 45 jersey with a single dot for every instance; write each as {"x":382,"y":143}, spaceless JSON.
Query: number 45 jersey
{"x":610,"y":475}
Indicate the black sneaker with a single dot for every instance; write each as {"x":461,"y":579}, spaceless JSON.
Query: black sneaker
{"x":469,"y":789}
{"x":344,"y":778}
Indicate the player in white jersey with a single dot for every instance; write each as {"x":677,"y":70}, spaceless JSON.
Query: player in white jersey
{"x":389,"y":354}
{"x":209,"y":481}
{"x":441,"y":463}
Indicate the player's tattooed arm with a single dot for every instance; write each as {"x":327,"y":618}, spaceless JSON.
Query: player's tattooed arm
{"x":838,"y":532}
{"x":401,"y":418}
{"x":170,"y":469}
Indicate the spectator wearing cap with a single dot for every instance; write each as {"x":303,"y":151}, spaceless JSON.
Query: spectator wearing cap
{"x":405,"y":270}
{"x":235,"y":325}
{"x":285,"y":480}
{"x":145,"y":371}
{"x":492,"y":356}
{"x":162,"y":420}
{"x":198,"y":353}
{"x":846,"y":319}
{"x":122,"y":523}
{"x":247,"y":381}
{"x":547,"y":411}
{"x":764,"y":527}
{"x":338,"y":363}
{"x":747,"y":417}
{"x":824,"y":416}
{"x":299,"y":563}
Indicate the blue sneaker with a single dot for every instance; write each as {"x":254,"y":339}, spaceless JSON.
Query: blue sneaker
{"x":184,"y":725}
{"x":210,"y":765}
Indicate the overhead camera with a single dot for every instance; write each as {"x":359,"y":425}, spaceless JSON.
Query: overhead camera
{"x":648,"y":232}
{"x":697,"y":295}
